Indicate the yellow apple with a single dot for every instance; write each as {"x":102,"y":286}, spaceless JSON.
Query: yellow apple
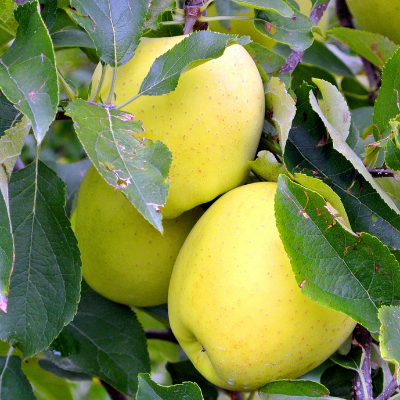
{"x":234,"y":304}
{"x":377,"y":16}
{"x":124,"y":258}
{"x":212,"y":122}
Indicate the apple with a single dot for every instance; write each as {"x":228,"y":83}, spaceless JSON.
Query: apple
{"x":378,"y":16}
{"x":211,"y":123}
{"x":124,"y":258}
{"x":234,"y":304}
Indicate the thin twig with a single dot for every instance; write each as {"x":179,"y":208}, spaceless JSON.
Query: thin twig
{"x":166,"y":335}
{"x":113,"y":393}
{"x":381,"y":172}
{"x":389,"y":390}
{"x":295,"y":56}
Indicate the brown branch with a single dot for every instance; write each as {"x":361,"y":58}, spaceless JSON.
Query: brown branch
{"x":235,"y":395}
{"x":192,"y":14}
{"x":381,"y":172}
{"x":166,"y":335}
{"x":364,"y":340}
{"x":295,"y":56}
{"x":113,"y":393}
{"x":389,"y":390}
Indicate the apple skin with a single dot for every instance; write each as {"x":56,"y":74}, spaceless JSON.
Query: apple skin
{"x":124,"y":258}
{"x":377,"y":16}
{"x":212,"y":122}
{"x":234,"y":304}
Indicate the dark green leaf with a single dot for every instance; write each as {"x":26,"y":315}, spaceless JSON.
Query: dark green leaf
{"x":392,"y":155}
{"x":265,"y":58}
{"x":184,"y":371}
{"x":353,"y":360}
{"x":45,"y":282}
{"x":192,"y":51}
{"x":277,"y":6}
{"x":139,"y":168}
{"x":339,"y":381}
{"x":13,"y":382}
{"x":48,"y":12}
{"x":374,"y":47}
{"x":156,"y":11}
{"x":387,"y":102}
{"x":295,"y":31}
{"x":114,"y":26}
{"x":305,"y":73}
{"x":295,"y":388}
{"x":309,"y":151}
{"x":6,"y":252}
{"x":354,"y":274}
{"x":389,"y":333}
{"x":9,"y":115}
{"x":106,"y":340}
{"x":62,"y":373}
{"x":150,"y":390}
{"x":27,"y":70}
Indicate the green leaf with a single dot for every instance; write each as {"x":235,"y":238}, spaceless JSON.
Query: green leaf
{"x":10,"y":148}
{"x":280,"y":108}
{"x":310,"y":151}
{"x":387,"y":102}
{"x":353,"y":360}
{"x":265,"y":59}
{"x":192,"y":51}
{"x":150,"y":390}
{"x":13,"y":382}
{"x":295,"y":31}
{"x":354,"y":274}
{"x":374,"y":47}
{"x":27,"y":70}
{"x":389,"y":333}
{"x":6,"y":252}
{"x":267,"y":167}
{"x":156,"y":11}
{"x":185,"y":371}
{"x":138,"y":168}
{"x":9,"y":115}
{"x":278,"y":6}
{"x":293,"y":389}
{"x":7,"y":20}
{"x":339,"y":381}
{"x":106,"y":340}
{"x":45,"y":282}
{"x":305,"y":72}
{"x":114,"y":26}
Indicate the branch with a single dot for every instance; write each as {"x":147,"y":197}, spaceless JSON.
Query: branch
{"x":362,"y":385}
{"x":235,"y":395}
{"x":346,"y":20}
{"x":166,"y":335}
{"x":381,"y":172}
{"x":192,"y":14}
{"x":389,"y":390}
{"x":295,"y":56}
{"x":113,"y":393}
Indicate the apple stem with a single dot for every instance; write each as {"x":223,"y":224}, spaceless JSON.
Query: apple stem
{"x":346,"y":20}
{"x":100,"y":83}
{"x":165,"y":334}
{"x":110,"y":97}
{"x":295,"y":56}
{"x":252,"y":395}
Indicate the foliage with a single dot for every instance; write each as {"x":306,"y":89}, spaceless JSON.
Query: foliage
{"x":330,"y":139}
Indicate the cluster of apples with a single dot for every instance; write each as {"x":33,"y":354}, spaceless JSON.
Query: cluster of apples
{"x":233,"y":301}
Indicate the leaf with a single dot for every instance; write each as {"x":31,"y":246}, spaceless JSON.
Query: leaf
{"x":10,"y":148}
{"x":7,"y":20}
{"x":293,"y":389}
{"x":280,"y":108}
{"x":13,"y":382}
{"x":389,"y":333}
{"x":295,"y":31}
{"x":278,"y":6}
{"x":27,"y":70}
{"x":309,"y":151}
{"x":192,"y":51}
{"x":185,"y":371}
{"x":105,"y":340}
{"x":353,"y":360}
{"x":138,"y":168}
{"x":45,"y":282}
{"x":339,"y":381}
{"x":6,"y":252}
{"x":354,"y":274}
{"x":376,"y":48}
{"x":264,"y":58}
{"x":9,"y":115}
{"x":337,"y":123}
{"x":156,"y":11}
{"x":150,"y":390}
{"x":114,"y":26}
{"x":387,"y":103}
{"x":267,"y":167}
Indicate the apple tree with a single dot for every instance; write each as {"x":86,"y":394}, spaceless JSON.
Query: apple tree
{"x":330,"y":139}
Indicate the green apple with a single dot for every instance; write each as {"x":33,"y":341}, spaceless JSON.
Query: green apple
{"x":212,"y":122}
{"x":234,"y":303}
{"x":124,"y":258}
{"x":377,"y":16}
